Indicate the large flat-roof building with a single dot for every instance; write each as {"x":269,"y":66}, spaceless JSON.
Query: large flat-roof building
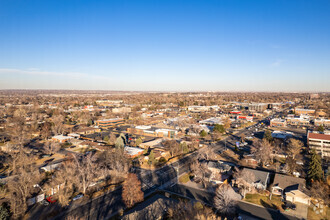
{"x":277,"y":122}
{"x":302,"y":120}
{"x":109,"y":123}
{"x":322,"y":121}
{"x":153,"y":131}
{"x":319,"y":142}
{"x":304,"y":111}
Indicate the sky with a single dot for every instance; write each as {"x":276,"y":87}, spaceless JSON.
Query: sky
{"x":165,"y":45}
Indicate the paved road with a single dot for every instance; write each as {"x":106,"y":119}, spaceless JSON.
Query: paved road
{"x":108,"y":204}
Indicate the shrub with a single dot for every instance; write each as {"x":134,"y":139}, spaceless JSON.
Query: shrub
{"x":162,"y":160}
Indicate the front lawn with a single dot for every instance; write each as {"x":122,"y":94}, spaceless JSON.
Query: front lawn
{"x":184,"y":178}
{"x":274,"y":203}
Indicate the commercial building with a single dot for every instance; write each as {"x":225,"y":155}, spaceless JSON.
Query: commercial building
{"x":109,"y":123}
{"x":302,"y":120}
{"x":121,"y":110}
{"x":246,"y":118}
{"x":211,"y":121}
{"x":319,"y":142}
{"x":197,"y":108}
{"x":277,"y":122}
{"x":106,"y":103}
{"x":322,"y":121}
{"x":282,"y":134}
{"x":152,"y":131}
{"x":299,"y":111}
{"x":87,"y":130}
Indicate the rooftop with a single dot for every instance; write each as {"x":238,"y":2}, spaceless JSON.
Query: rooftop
{"x":319,"y":136}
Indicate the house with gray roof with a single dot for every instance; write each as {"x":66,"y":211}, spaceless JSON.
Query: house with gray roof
{"x":291,"y":188}
{"x":261,"y":178}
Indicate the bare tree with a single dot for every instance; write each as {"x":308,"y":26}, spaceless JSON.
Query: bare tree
{"x":207,"y":154}
{"x":173,"y":146}
{"x":65,"y":181}
{"x":245,"y":178}
{"x":294,"y":147}
{"x":58,"y":126}
{"x":321,"y":191}
{"x":51,"y":147}
{"x":263,"y":151}
{"x":132,"y":192}
{"x":19,"y":190}
{"x":45,"y":131}
{"x":200,"y":171}
{"x":225,"y":200}
{"x":86,"y":170}
{"x":114,"y":161}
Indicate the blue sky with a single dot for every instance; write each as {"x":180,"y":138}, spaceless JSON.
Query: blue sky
{"x":168,"y":45}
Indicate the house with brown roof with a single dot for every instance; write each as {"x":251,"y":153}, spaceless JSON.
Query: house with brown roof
{"x":292,"y":189}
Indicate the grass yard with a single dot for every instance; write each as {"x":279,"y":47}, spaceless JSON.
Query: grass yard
{"x":312,"y":215}
{"x":80,"y":149}
{"x":184,"y":178}
{"x":264,"y":201}
{"x":56,"y":156}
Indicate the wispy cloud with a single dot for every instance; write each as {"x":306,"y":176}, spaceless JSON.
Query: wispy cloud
{"x":36,"y":71}
{"x":277,"y":63}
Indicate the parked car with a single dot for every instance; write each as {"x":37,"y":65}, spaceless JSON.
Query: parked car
{"x":79,"y":196}
{"x":50,"y":199}
{"x":44,"y":202}
{"x":289,"y":205}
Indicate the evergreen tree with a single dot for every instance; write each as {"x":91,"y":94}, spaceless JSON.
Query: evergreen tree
{"x":320,"y":128}
{"x":315,"y":171}
{"x":268,"y":136}
{"x":4,"y":213}
{"x":184,"y":147}
{"x":203,"y":133}
{"x":151,"y":157}
{"x":219,"y":128}
{"x":138,"y":141}
{"x":120,"y":142}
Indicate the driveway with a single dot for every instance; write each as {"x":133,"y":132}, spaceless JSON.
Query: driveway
{"x":301,"y":210}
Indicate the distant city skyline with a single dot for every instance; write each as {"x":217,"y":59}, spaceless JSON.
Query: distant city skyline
{"x":145,"y":45}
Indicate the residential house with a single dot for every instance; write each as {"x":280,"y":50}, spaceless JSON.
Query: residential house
{"x":261,"y":178}
{"x":61,"y":138}
{"x":133,"y":151}
{"x":292,"y":189}
{"x":220,"y":171}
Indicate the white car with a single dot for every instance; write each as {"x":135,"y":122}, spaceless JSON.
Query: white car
{"x":78,"y":197}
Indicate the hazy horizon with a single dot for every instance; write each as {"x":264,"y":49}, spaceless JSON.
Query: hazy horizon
{"x":165,"y":46}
